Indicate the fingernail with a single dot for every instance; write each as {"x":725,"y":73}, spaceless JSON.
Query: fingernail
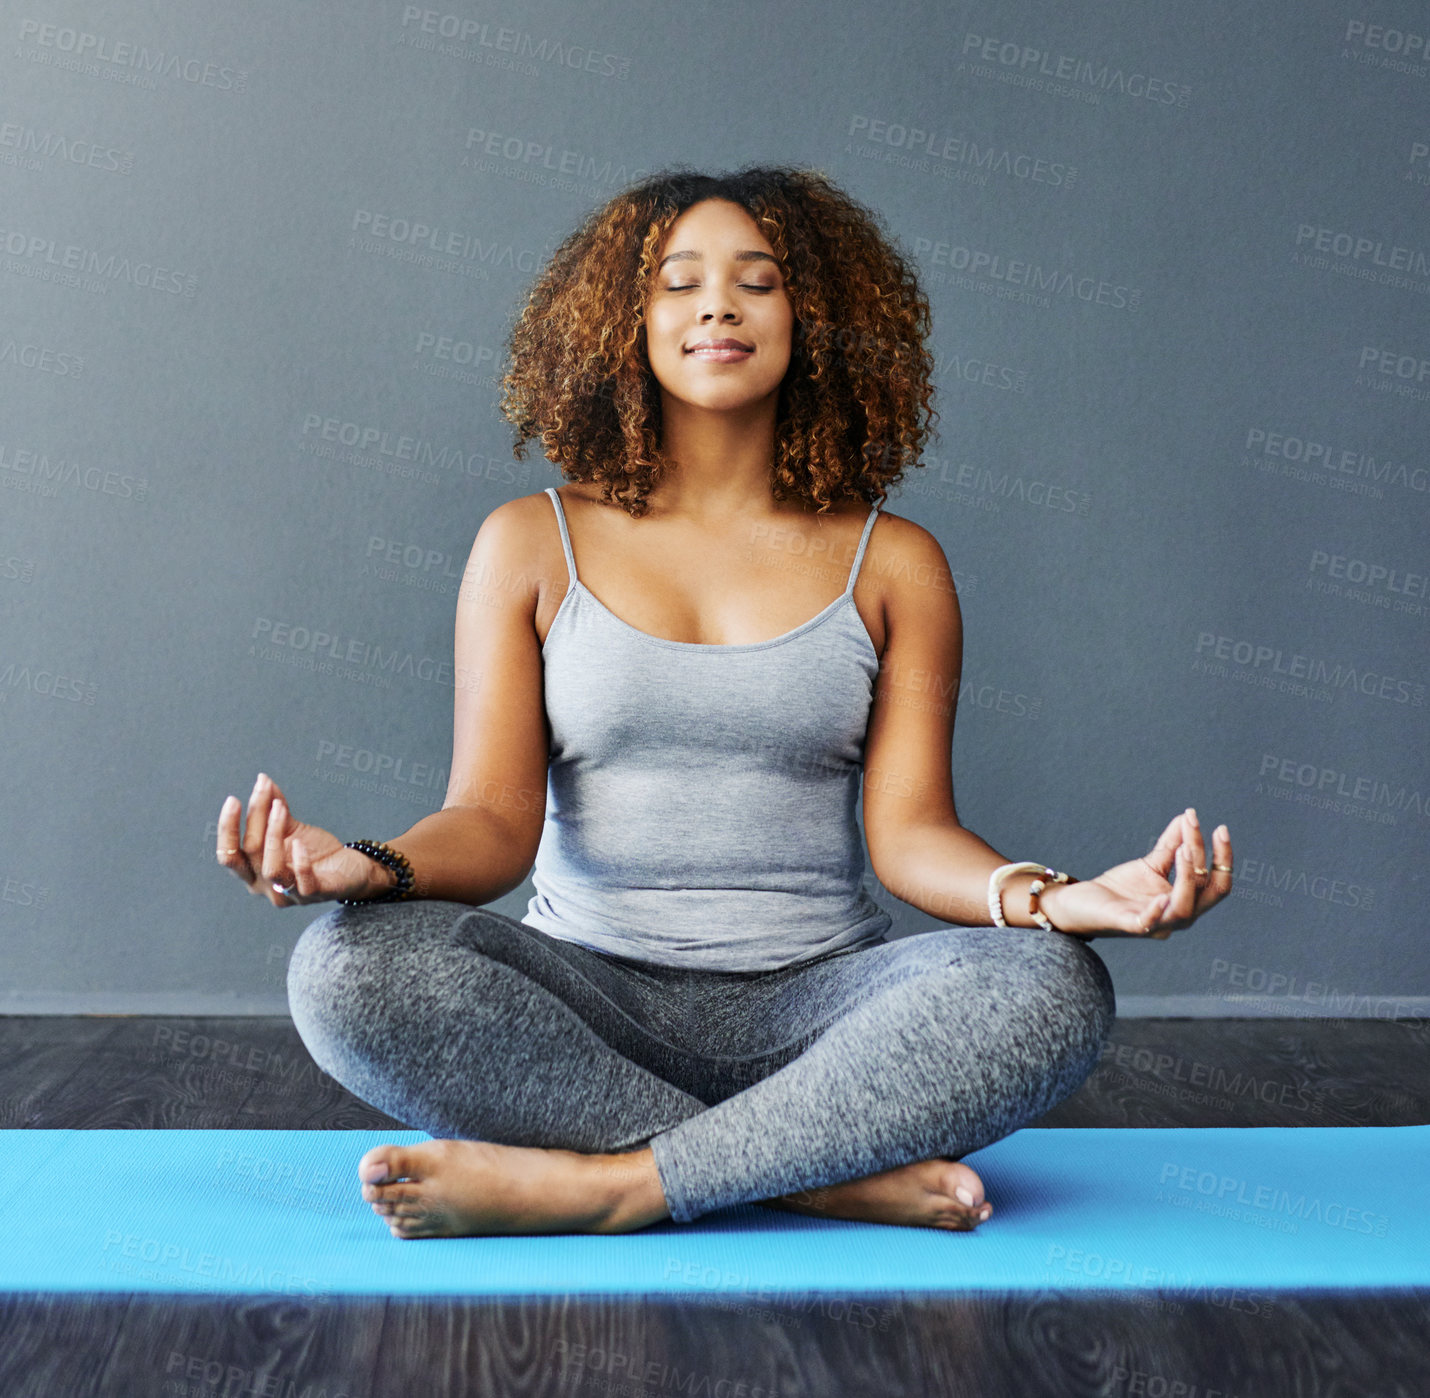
{"x":1222,"y":831}
{"x":228,"y":801}
{"x":1192,"y":815}
{"x":964,"y":1195}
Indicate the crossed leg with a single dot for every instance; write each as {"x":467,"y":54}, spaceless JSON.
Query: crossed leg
{"x":574,"y":1092}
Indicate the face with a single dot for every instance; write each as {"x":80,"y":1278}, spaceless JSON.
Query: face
{"x":718,"y":279}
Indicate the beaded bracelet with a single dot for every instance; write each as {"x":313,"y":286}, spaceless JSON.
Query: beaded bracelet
{"x":1035,"y":888}
{"x":391,"y":859}
{"x":1001,"y":875}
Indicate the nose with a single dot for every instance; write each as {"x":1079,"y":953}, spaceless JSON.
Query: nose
{"x":717,"y":300}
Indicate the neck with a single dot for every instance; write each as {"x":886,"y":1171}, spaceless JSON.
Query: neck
{"x":719,"y":462}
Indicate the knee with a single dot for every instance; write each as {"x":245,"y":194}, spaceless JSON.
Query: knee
{"x":1045,"y":988}
{"x":330,"y":965}
{"x":1079,"y":980}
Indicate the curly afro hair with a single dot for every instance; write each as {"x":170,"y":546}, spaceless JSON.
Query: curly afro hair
{"x":847,"y":420}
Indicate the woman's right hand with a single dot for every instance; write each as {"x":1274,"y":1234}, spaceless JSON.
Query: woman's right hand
{"x":276,"y":849}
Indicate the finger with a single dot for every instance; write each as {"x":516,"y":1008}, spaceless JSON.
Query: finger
{"x":1182,"y":901}
{"x":1197,"y":845}
{"x":229,"y":852}
{"x":1165,"y":850}
{"x":1146,"y":925}
{"x":1219,"y":882}
{"x":257,"y":827}
{"x":303,"y":879}
{"x":274,"y":860}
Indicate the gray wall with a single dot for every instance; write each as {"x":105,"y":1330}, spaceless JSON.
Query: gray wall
{"x":1180,"y":264}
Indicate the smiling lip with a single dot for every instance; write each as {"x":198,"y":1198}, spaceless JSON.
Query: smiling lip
{"x":722,"y":351}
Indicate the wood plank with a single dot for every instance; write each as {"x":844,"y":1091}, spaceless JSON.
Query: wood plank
{"x":38,"y":1055}
{"x":256,"y":1072}
{"x":1283,"y":1072}
{"x":987,"y":1345}
{"x":1075,"y":1345}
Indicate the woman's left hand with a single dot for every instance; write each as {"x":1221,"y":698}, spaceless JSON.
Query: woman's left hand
{"x":1137,"y":899}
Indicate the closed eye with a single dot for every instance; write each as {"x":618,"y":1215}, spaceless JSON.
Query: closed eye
{"x":692,"y":285}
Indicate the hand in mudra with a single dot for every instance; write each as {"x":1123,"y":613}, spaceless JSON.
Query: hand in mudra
{"x":276,"y":849}
{"x":1137,"y":899}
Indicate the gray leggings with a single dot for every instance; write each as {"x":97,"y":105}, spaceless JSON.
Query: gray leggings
{"x":746,"y":1085}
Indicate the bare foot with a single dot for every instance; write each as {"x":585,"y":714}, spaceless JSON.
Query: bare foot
{"x":445,"y":1189}
{"x":919,"y":1195}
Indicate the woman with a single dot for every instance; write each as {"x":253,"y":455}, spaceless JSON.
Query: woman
{"x":699,"y":1007}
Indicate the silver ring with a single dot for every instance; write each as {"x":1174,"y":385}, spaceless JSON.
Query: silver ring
{"x":286,"y":892}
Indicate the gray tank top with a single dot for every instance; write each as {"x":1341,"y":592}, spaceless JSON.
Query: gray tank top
{"x":700,"y":800}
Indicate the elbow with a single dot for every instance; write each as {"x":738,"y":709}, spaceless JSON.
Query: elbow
{"x":886,"y":869}
{"x":910,"y":861}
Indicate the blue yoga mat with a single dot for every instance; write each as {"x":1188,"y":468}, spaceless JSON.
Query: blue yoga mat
{"x":1221,"y":1210}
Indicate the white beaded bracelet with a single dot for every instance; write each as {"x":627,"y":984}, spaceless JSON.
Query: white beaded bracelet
{"x":1001,"y":875}
{"x":1035,"y":888}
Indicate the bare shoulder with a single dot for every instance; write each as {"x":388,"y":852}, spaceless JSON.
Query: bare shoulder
{"x":910,"y":564}
{"x":518,"y":549}
{"x":904,"y":538}
{"x":523,"y":517}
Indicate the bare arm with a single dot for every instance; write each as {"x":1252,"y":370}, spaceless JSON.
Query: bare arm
{"x":919,"y":850}
{"x":464,"y":854}
{"x":483,"y":842}
{"x":943,"y":870}
{"x":917,"y":846}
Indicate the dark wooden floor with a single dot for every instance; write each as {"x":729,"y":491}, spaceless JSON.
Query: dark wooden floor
{"x":156,"y":1073}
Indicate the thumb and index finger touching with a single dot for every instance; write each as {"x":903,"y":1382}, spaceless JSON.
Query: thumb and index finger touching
{"x":259,"y":853}
{"x":1199,"y":881}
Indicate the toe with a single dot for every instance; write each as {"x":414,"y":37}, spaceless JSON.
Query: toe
{"x":373,"y":1193}
{"x":962,"y":1184}
{"x":964,"y":1220}
{"x":384,"y":1164}
{"x":967,"y":1207}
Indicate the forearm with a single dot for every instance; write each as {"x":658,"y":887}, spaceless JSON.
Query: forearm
{"x":943,"y":870}
{"x":464,"y":854}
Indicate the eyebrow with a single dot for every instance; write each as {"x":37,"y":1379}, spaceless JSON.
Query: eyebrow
{"x":745,"y":255}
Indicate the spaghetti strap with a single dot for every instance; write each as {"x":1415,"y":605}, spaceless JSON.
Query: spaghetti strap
{"x":863,"y":544}
{"x":565,"y":538}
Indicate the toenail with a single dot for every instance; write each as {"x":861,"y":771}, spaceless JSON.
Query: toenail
{"x":963,"y":1194}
